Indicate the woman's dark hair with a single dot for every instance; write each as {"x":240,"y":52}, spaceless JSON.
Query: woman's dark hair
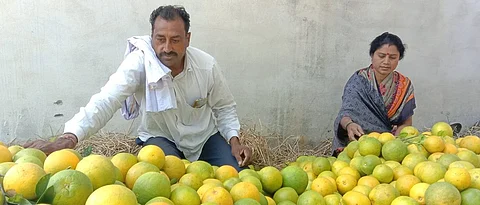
{"x":170,"y":13}
{"x":390,"y":39}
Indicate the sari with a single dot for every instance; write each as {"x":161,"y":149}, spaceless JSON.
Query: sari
{"x":374,"y":106}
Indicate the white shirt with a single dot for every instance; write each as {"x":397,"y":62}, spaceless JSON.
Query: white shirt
{"x":188,"y":127}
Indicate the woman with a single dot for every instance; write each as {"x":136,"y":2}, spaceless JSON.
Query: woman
{"x":376,"y":98}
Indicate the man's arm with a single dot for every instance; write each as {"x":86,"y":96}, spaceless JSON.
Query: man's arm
{"x":224,"y":108}
{"x":101,"y":107}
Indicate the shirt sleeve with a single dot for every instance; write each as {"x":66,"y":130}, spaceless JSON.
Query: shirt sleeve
{"x":103,"y":105}
{"x":223,"y":105}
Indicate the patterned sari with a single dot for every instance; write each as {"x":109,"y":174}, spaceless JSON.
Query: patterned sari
{"x":375,"y":107}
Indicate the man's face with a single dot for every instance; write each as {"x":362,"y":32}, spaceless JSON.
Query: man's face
{"x":170,"y":41}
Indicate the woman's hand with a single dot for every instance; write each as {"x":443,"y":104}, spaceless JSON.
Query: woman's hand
{"x":354,"y":131}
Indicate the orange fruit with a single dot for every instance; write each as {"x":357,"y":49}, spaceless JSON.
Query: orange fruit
{"x":99,"y":169}
{"x":112,"y":194}
{"x":417,"y":148}
{"x":404,"y":200}
{"x":442,"y":193}
{"x":345,"y":183}
{"x":337,"y":165}
{"x":434,"y":144}
{"x":470,"y":196}
{"x":285,"y":194}
{"x":369,"y":181}
{"x":472,"y":143}
{"x":394,"y":150}
{"x":385,"y":137}
{"x":14,"y":149}
{"x":475,"y":178}
{"x":450,"y":149}
{"x":192,"y":180}
{"x":369,"y":162}
{"x":469,"y":156}
{"x":435,"y":156}
{"x":321,"y":164}
{"x":5,"y":154}
{"x":124,"y":161}
{"x":201,"y":168}
{"x":205,"y":187}
{"x":23,"y":178}
{"x":60,"y":160}
{"x":218,"y":195}
{"x":229,"y":183}
{"x":350,"y":171}
{"x":383,"y":173}
{"x":405,"y":183}
{"x":447,"y":159}
{"x":225,"y":172}
{"x":160,"y":199}
{"x":355,"y":198}
{"x":151,"y":185}
{"x":417,"y":192}
{"x":185,"y":195}
{"x":30,"y":159}
{"x":411,"y":160}
{"x":4,"y":167}
{"x":459,"y":177}
{"x":461,"y":164}
{"x":137,"y":170}
{"x":174,"y":167}
{"x":65,"y":183}
{"x":254,"y":180}
{"x":429,"y":172}
{"x":152,"y":154}
{"x":364,"y":189}
{"x":310,"y":198}
{"x":244,"y":190}
{"x":323,"y":186}
{"x":370,"y":146}
{"x":383,"y":194}
{"x":442,"y":129}
{"x":351,"y":148}
{"x":294,"y":177}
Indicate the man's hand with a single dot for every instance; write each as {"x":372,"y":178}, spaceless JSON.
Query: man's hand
{"x":353,"y":130}
{"x":242,"y":153}
{"x":66,"y":141}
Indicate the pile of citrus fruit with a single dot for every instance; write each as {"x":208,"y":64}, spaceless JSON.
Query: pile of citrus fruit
{"x":429,"y":168}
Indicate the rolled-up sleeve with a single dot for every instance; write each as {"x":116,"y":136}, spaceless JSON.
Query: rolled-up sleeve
{"x":103,"y":105}
{"x":223,"y":105}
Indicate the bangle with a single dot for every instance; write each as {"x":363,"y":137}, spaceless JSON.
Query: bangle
{"x":346,"y":126}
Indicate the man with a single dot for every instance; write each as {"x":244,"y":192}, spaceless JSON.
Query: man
{"x":187,"y":108}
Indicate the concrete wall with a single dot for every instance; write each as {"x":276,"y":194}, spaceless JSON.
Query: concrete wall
{"x":286,"y":60}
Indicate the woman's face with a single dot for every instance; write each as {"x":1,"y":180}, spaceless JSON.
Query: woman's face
{"x":385,"y":60}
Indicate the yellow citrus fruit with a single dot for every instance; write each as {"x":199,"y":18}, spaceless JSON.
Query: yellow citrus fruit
{"x":355,"y":198}
{"x":383,"y":194}
{"x":351,"y":148}
{"x":152,"y":154}
{"x":470,"y":196}
{"x":356,"y":164}
{"x":174,"y":167}
{"x":229,"y":183}
{"x":4,"y":167}
{"x":469,"y":156}
{"x":429,"y":172}
{"x":417,"y":148}
{"x":185,"y":195}
{"x":213,"y":181}
{"x":385,"y":137}
{"x":442,"y":129}
{"x":323,"y":186}
{"x":394,"y":150}
{"x":343,"y":157}
{"x":30,"y":152}
{"x":310,"y":198}
{"x":383,"y":173}
{"x":461,"y":164}
{"x":411,"y":160}
{"x":99,"y":169}
{"x":137,"y":170}
{"x":333,"y":199}
{"x":124,"y":161}
{"x":459,"y":177}
{"x":246,"y":201}
{"x":246,"y":172}
{"x":472,"y":143}
{"x":151,"y":185}
{"x":14,"y":149}
{"x":60,"y":160}
{"x":202,"y":169}
{"x":69,"y":187}
{"x":364,"y":189}
{"x":369,"y":162}
{"x":442,"y":193}
{"x":373,"y":134}
{"x":76,"y":153}
{"x":369,"y":181}
{"x":225,"y":172}
{"x":294,"y":177}
{"x":417,"y":192}
{"x":337,"y":165}
{"x":285,"y":194}
{"x":392,"y":164}
{"x":244,"y":190}
{"x":30,"y":159}
{"x":434,"y":144}
{"x":112,"y":194}
{"x":160,"y":199}
{"x":345,"y":183}
{"x":409,"y":131}
{"x":475,"y":178}
{"x":435,"y":156}
{"x":404,"y":200}
{"x":23,"y":178}
{"x":321,"y":164}
{"x":350,"y":171}
{"x":450,"y":149}
{"x":370,"y":146}
{"x":449,"y":140}
{"x":218,"y":195}
{"x":205,"y":187}
{"x":327,"y":174}
{"x":405,"y":183}
{"x":270,"y":200}
{"x":307,"y":166}
{"x":254,"y":180}
{"x":192,"y":180}
{"x":447,"y":159}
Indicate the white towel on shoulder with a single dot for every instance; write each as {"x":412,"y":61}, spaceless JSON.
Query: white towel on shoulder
{"x":159,"y":93}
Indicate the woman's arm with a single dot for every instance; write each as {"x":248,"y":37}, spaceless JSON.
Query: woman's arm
{"x":407,"y":122}
{"x":352,"y":128}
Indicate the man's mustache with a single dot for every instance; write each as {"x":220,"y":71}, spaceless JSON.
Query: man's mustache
{"x":168,"y":54}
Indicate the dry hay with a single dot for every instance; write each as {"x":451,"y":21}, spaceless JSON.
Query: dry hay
{"x":269,"y":150}
{"x":474,"y":130}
